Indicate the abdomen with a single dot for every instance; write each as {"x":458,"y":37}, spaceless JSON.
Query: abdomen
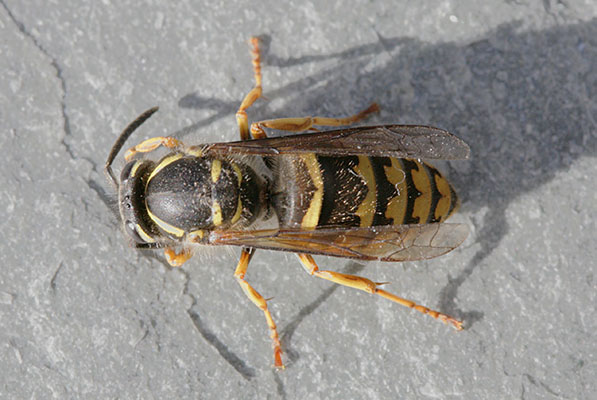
{"x":313,"y":191}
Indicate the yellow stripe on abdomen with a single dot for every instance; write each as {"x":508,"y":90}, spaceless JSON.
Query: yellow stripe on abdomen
{"x":366,"y":210}
{"x":311,"y":217}
{"x":422,"y":184}
{"x":396,"y":208}
{"x":443,"y":207}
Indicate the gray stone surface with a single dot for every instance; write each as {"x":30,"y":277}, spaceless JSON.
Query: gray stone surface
{"x":84,"y":316}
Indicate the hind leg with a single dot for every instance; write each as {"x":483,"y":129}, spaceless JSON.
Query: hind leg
{"x":369,"y":286}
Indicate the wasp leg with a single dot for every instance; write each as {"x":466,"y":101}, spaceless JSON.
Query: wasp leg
{"x":259,"y":301}
{"x":247,"y":253}
{"x":306,"y":123}
{"x":369,"y":286}
{"x":253,"y":95}
{"x":177,"y":259}
{"x":149,"y":145}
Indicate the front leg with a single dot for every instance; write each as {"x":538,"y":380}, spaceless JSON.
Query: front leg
{"x":150,"y":145}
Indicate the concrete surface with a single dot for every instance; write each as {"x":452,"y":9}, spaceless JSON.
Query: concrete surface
{"x":84,"y":316}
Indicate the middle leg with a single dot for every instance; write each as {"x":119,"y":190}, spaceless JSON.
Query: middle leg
{"x":241,"y":115}
{"x":259,"y":301}
{"x":302,"y":124}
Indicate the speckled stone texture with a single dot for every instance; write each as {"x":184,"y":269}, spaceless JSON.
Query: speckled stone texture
{"x":84,"y":316}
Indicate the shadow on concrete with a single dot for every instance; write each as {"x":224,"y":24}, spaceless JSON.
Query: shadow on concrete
{"x":521,"y":100}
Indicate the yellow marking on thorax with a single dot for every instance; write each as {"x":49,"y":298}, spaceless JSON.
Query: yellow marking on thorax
{"x":165,"y":226}
{"x":366,"y":210}
{"x":216,"y":213}
{"x":238,"y":172}
{"x":164,"y":163}
{"x":311,"y":217}
{"x":196,"y":236}
{"x":397,"y":205}
{"x":443,"y":205}
{"x":216,"y":170}
{"x":422,"y":206}
{"x":196,"y":151}
{"x":239,"y":210}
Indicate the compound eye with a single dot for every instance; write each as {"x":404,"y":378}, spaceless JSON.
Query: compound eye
{"x":131,"y":230}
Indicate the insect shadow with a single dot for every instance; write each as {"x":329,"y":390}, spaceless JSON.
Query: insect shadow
{"x":525,"y":117}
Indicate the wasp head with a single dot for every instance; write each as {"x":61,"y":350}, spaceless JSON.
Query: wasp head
{"x":131,"y":203}
{"x":131,"y":189}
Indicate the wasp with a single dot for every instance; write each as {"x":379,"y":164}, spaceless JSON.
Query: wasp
{"x":362,"y":193}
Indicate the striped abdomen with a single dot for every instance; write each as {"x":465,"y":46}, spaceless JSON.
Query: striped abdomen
{"x":313,"y":191}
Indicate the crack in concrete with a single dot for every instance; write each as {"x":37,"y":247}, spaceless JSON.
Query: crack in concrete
{"x":54,"y":63}
{"x":55,"y":276}
{"x":537,"y":383}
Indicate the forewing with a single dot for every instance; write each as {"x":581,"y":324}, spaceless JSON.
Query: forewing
{"x":385,"y":243}
{"x":400,"y":141}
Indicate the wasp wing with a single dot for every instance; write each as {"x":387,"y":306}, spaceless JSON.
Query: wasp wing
{"x":385,"y":243}
{"x":400,"y":141}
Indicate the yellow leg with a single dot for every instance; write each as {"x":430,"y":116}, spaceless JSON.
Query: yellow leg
{"x":177,"y":259}
{"x":306,"y":123}
{"x":241,"y":115}
{"x":151,"y":144}
{"x":259,"y":301}
{"x":247,"y":253}
{"x":369,"y":286}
